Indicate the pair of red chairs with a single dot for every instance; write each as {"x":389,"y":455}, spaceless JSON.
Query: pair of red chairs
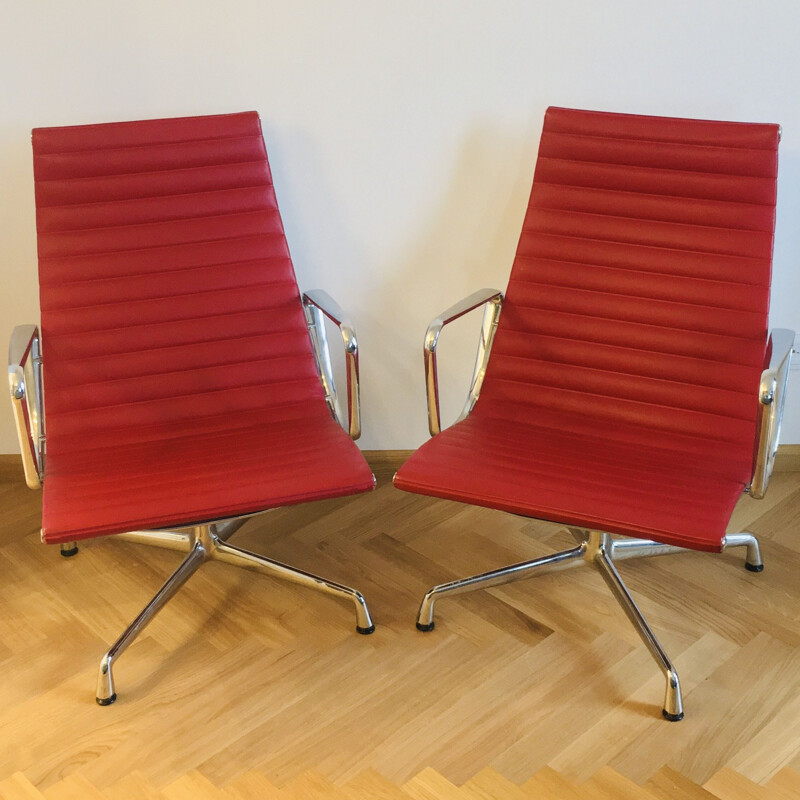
{"x":632,"y":388}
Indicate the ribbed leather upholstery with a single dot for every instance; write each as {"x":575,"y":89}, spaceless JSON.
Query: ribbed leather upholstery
{"x":180,"y":384}
{"x":621,"y":392}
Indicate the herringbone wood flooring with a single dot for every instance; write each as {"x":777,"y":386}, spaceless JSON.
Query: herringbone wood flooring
{"x":245,"y":687}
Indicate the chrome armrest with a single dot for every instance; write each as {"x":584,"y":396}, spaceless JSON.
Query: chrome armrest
{"x":25,"y":383}
{"x":771,"y":399}
{"x":493,"y":300}
{"x":316,"y":303}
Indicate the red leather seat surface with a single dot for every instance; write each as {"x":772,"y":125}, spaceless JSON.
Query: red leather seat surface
{"x":633,"y":488}
{"x":180,"y":384}
{"x":203,"y":471}
{"x":621,"y":393}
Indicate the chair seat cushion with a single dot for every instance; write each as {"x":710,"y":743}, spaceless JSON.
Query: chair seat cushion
{"x":633,"y":482}
{"x":197,"y":471}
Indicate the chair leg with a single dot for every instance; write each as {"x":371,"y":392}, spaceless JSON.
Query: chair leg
{"x":171,"y":540}
{"x":753,"y":560}
{"x":244,"y":558}
{"x":69,"y":549}
{"x":105,"y":679}
{"x":641,"y":548}
{"x":673,"y":704}
{"x":556,"y":561}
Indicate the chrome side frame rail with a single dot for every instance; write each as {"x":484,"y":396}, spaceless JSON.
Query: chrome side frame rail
{"x":601,"y":551}
{"x":27,"y":399}
{"x":209,"y":543}
{"x":317,"y":304}
{"x":492,"y":299}
{"x":771,"y":398}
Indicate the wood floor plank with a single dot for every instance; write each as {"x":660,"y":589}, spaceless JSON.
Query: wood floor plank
{"x":489,"y":784}
{"x":369,"y":783}
{"x":667,"y":784}
{"x":73,"y":787}
{"x":310,"y":785}
{"x":251,"y":785}
{"x":764,"y":691}
{"x":785,"y":784}
{"x":18,"y":787}
{"x":547,"y":783}
{"x":730,"y":785}
{"x":132,"y":785}
{"x":775,"y":744}
{"x":430,"y":785}
{"x":191,"y":786}
{"x":616,"y":787}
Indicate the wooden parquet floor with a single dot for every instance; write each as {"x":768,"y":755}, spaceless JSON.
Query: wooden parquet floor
{"x":246,"y":687}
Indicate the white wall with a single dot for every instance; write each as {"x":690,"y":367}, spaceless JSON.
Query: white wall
{"x":402,"y":135}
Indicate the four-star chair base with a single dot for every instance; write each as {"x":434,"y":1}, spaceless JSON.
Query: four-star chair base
{"x":205,"y":543}
{"x":600,"y":550}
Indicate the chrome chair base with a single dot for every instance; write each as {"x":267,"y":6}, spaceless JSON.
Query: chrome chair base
{"x":600,"y":550}
{"x":206,"y":543}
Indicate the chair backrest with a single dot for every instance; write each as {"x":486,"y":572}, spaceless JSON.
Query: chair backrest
{"x":167,"y":289}
{"x":639,"y":294}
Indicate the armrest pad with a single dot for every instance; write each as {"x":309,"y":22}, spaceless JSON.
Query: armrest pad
{"x":331,"y":309}
{"x":457,"y":310}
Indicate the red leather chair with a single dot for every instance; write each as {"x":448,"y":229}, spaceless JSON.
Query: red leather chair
{"x":188,"y":383}
{"x":632,"y":388}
